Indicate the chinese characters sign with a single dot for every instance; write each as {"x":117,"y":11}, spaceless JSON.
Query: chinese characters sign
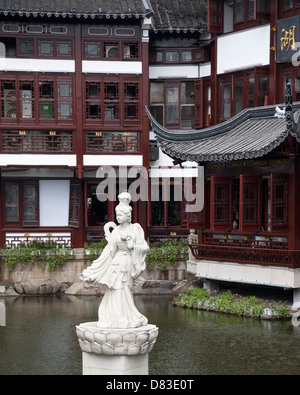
{"x":288,"y":36}
{"x":288,"y":39}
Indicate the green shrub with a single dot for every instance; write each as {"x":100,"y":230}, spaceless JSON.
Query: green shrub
{"x":48,"y":254}
{"x":226,"y":302}
{"x":166,"y":252}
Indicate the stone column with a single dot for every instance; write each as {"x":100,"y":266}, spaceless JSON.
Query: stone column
{"x":296,"y":299}
{"x":115,"y":351}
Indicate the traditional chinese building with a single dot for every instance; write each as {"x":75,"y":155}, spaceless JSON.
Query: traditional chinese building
{"x":74,"y":81}
{"x":249,"y":146}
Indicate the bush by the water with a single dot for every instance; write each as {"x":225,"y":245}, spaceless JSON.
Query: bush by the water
{"x":227,"y":302}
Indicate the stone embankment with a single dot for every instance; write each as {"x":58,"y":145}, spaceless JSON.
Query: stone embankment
{"x":34,"y":280}
{"x":80,"y":288}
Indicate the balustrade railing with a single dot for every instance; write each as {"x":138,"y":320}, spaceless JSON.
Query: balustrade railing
{"x":112,"y":142}
{"x":246,"y":249}
{"x":37,"y":141}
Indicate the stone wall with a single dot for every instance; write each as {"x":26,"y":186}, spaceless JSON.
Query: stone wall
{"x":32,"y":279}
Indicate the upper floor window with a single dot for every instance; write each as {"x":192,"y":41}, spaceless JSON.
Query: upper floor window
{"x":288,"y":8}
{"x":111,"y":50}
{"x":112,"y":100}
{"x":229,"y":15}
{"x":291,"y":75}
{"x":172,"y":103}
{"x":29,"y":99}
{"x":187,"y":55}
{"x":27,"y":47}
{"x":243,"y":90}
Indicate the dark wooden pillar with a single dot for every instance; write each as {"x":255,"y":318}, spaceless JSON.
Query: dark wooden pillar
{"x":294,"y":206}
{"x":78,"y":233}
{"x":143,"y":206}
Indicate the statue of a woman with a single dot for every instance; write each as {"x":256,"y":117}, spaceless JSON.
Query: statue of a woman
{"x":121,"y":262}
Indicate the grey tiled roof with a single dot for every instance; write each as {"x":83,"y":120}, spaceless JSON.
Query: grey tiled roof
{"x":250,"y":134}
{"x":168,"y":15}
{"x":78,"y":8}
{"x":179,"y":15}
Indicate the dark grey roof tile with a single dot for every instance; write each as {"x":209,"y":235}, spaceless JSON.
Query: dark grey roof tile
{"x":179,"y":15}
{"x":114,"y":8}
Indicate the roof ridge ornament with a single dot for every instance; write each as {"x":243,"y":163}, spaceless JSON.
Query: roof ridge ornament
{"x":289,"y":116}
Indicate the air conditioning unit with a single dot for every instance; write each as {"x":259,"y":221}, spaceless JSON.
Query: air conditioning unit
{"x":111,"y":51}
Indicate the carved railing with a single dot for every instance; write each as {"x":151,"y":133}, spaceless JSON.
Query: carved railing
{"x":34,"y":141}
{"x":242,"y":249}
{"x":112,"y":142}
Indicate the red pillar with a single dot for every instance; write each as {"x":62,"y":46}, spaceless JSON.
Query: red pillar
{"x":78,"y":233}
{"x":143,"y":206}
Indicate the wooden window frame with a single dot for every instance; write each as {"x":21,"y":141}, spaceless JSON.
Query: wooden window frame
{"x":93,"y":100}
{"x":20,"y":54}
{"x":131,"y":102}
{"x":199,"y":105}
{"x":259,"y":97}
{"x":118,"y":102}
{"x":74,"y":204}
{"x":252,"y":185}
{"x":36,"y":47}
{"x":279,"y":202}
{"x":37,"y":99}
{"x":292,"y":71}
{"x":215,"y":16}
{"x":287,"y":12}
{"x":122,"y":54}
{"x":197,"y":56}
{"x":22,"y":221}
{"x":34,"y":204}
{"x":215,"y":222}
{"x":164,"y":203}
{"x":112,"y":100}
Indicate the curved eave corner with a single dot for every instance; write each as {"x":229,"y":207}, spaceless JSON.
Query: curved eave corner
{"x":194,"y":145}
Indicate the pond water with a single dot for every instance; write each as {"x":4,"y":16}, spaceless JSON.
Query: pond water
{"x":40,"y":338}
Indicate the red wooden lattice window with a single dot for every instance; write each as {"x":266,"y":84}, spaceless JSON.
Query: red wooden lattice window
{"x":93,"y":100}
{"x":26,"y":99}
{"x":215,"y":16}
{"x":250,"y":203}
{"x":8,"y":99}
{"x":46,"y":99}
{"x":199,"y":104}
{"x":21,"y":203}
{"x":131,"y":100}
{"x":111,"y":100}
{"x":279,"y":202}
{"x":31,"y":204}
{"x":64,"y":99}
{"x":74,"y":218}
{"x":221,"y":201}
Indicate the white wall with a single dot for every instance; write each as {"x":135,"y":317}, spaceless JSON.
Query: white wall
{"x":39,"y":65}
{"x":37,"y":160}
{"x":174,"y":71}
{"x":109,"y":67}
{"x":54,"y":202}
{"x":245,"y":49}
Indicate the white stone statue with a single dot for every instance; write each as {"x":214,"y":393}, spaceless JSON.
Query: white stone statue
{"x":121,"y":262}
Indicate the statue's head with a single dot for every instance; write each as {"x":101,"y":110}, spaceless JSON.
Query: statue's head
{"x":124,"y":205}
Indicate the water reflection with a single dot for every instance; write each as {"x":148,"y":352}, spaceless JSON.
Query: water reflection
{"x":40,"y":338}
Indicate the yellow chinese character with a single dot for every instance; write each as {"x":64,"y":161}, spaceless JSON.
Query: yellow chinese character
{"x":288,"y":39}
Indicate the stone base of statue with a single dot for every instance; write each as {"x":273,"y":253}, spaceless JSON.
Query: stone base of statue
{"x":115,"y":351}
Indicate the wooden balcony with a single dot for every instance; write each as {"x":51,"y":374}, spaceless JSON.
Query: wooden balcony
{"x":113,"y":142}
{"x":37,"y":142}
{"x":246,"y":249}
